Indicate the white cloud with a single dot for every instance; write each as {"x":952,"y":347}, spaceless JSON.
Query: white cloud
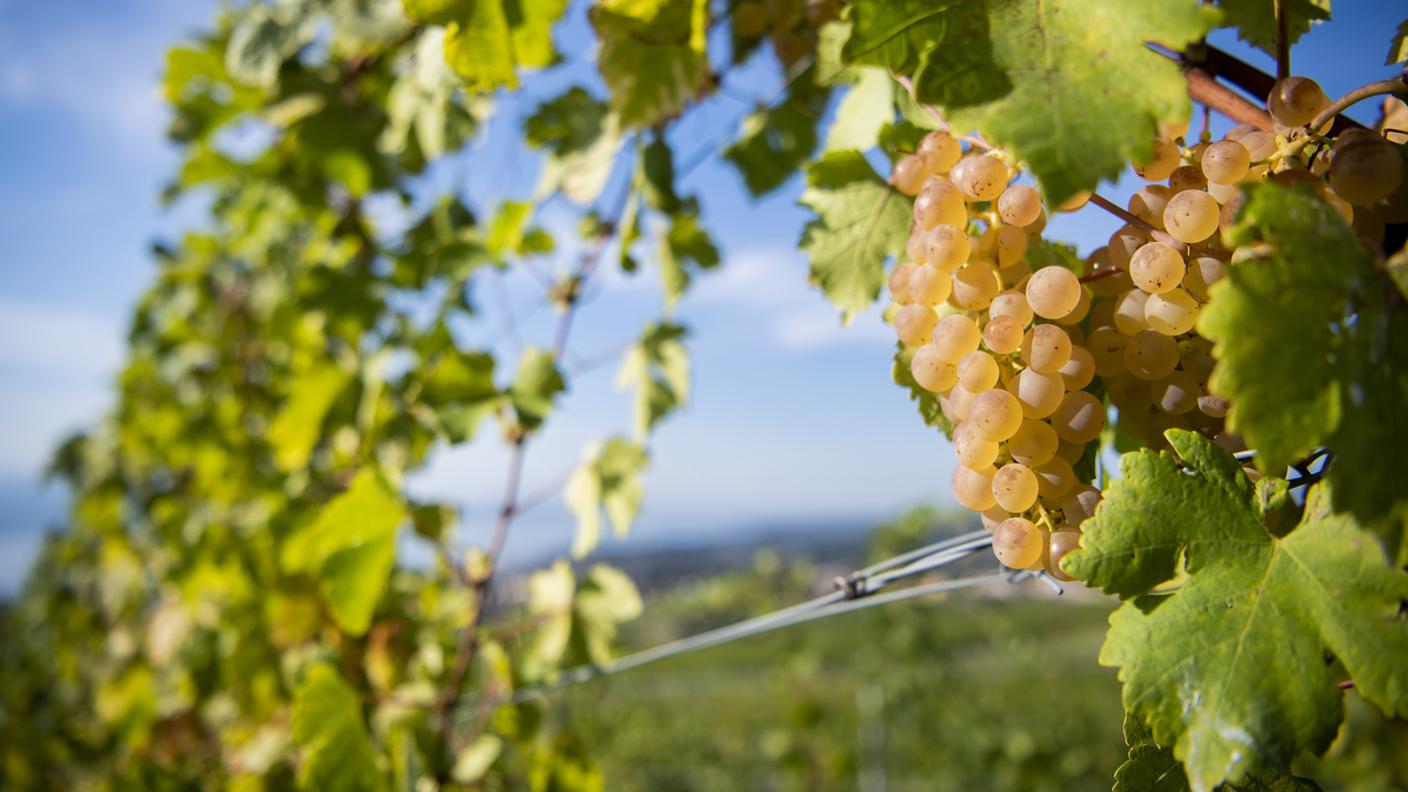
{"x":57,"y":340}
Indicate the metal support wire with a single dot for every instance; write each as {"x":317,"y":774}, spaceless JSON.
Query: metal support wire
{"x":856,"y":591}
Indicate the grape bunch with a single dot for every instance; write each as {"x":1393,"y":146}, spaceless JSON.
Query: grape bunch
{"x":1030,"y":362}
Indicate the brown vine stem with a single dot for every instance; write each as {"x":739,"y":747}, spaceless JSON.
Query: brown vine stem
{"x":1202,"y":87}
{"x":1397,"y":86}
{"x":1139,"y":223}
{"x":1283,"y":41}
{"x":1101,"y":275}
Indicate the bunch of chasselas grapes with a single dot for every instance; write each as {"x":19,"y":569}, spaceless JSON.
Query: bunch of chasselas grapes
{"x":1018,"y":357}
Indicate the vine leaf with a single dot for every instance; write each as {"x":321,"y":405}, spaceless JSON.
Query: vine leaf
{"x":657,"y":366}
{"x":1398,"y":47}
{"x":1230,"y":669}
{"x":1151,"y":768}
{"x":866,"y":109}
{"x":534,"y":387}
{"x":488,"y":41}
{"x":773,"y":142}
{"x":608,"y":479}
{"x":327,"y":725}
{"x":1255,"y":21}
{"x":1068,"y":86}
{"x":684,"y":248}
{"x":653,"y":56}
{"x":581,"y":137}
{"x":860,"y":220}
{"x":1310,"y":352}
{"x":296,"y":428}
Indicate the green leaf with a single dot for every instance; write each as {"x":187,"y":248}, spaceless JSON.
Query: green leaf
{"x":352,"y":547}
{"x":432,"y":12}
{"x":259,"y":43}
{"x":653,"y":56}
{"x":506,"y":232}
{"x":424,"y":106}
{"x":867,"y":108}
{"x":582,"y":138}
{"x":685,"y":249}
{"x":1044,"y":253}
{"x":1255,"y":21}
{"x":536,"y":384}
{"x":860,"y":220}
{"x":1230,"y":668}
{"x":1398,"y":47}
{"x":608,"y":479}
{"x":459,"y":388}
{"x":488,"y":41}
{"x":605,"y":599}
{"x":657,"y":366}
{"x":927,"y":401}
{"x":475,"y":760}
{"x":296,"y":428}
{"x":550,"y":593}
{"x":1311,"y":351}
{"x":329,"y":728}
{"x":773,"y":142}
{"x":1154,"y":769}
{"x":1067,"y":86}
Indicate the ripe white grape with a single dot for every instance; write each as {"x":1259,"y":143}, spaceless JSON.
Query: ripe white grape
{"x":955,"y":336}
{"x":1365,"y":171}
{"x":1055,"y":478}
{"x":1046,"y":348}
{"x":996,"y":414}
{"x":1295,"y":101}
{"x":1077,"y":313}
{"x":1060,"y":545}
{"x":939,"y":151}
{"x":1186,"y":177}
{"x":1034,"y":443}
{"x":929,"y":285}
{"x":1156,"y":267}
{"x":1213,"y":406}
{"x":1079,"y":505}
{"x":1226,"y":162}
{"x":899,"y":283}
{"x":1162,"y":160}
{"x":1080,"y":418}
{"x":956,"y":403}
{"x":980,"y":177}
{"x":1151,"y":355}
{"x":1003,"y":335}
{"x":1038,"y":394}
{"x":1148,"y":203}
{"x":1011,"y":245}
{"x":1015,"y":487}
{"x":977,"y":371}
{"x":1129,"y":312}
{"x":1203,"y":272}
{"x":1019,"y":205}
{"x":1075,"y":202}
{"x":946,"y":247}
{"x":974,"y":286}
{"x":914,"y":245}
{"x":939,"y":202}
{"x":973,"y":488}
{"x":991,"y":518}
{"x":1175,"y":394}
{"x":1079,"y":370}
{"x":908,"y":175}
{"x":1017,"y":543}
{"x":1106,"y":346}
{"x":1171,"y":313}
{"x":1071,"y":452}
{"x":1222,"y":193}
{"x":1129,"y":393}
{"x":1259,"y":145}
{"x":931,"y":371}
{"x":1053,"y":292}
{"x":1122,"y":245}
{"x":1195,"y":357}
{"x":1011,"y":303}
{"x":972,"y":450}
{"x":914,"y":323}
{"x":1191,"y":216}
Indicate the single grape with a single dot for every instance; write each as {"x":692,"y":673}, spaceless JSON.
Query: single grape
{"x":1162,"y":160}
{"x":1046,"y":348}
{"x":914,"y":245}
{"x":1175,"y":394}
{"x":1156,"y":267}
{"x":908,"y":175}
{"x":1034,"y":443}
{"x":1222,"y":193}
{"x":939,"y":151}
{"x":1015,"y":487}
{"x":1003,"y":335}
{"x":1038,"y":394}
{"x":1079,"y":370}
{"x":1122,"y":245}
{"x":1295,"y":101}
{"x":1055,"y":478}
{"x":1017,"y":543}
{"x":1366,"y":171}
{"x":1259,"y":145}
{"x":1129,"y":312}
{"x":1171,"y":313}
{"x":1071,"y":452}
{"x":1076,"y":201}
{"x":1151,"y":355}
{"x":1129,"y":393}
{"x":1226,"y":162}
{"x":996,"y":414}
{"x":1213,"y":406}
{"x":1107,"y":348}
{"x":1078,"y":313}
{"x":1079,"y":418}
{"x":914,"y":323}
{"x":991,"y":518}
{"x":980,"y":177}
{"x":1148,"y":203}
{"x":955,"y":336}
{"x":899,"y":284}
{"x":1011,"y":245}
{"x":977,"y":371}
{"x":956,"y":403}
{"x":1186,"y":177}
{"x":1111,"y":281}
{"x":974,"y":286}
{"x":929,"y":285}
{"x":972,"y":450}
{"x":973,"y":488}
{"x":1059,"y":546}
{"x":1079,"y":505}
{"x":1019,"y":205}
{"x":1203,"y":272}
{"x":1191,"y":216}
{"x":1053,"y":291}
{"x":1011,"y":303}
{"x":946,"y":247}
{"x":932,"y":372}
{"x":1195,"y":357}
{"x":939,"y":202}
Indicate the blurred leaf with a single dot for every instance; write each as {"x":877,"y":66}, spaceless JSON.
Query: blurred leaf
{"x":657,"y":366}
{"x":685,"y":249}
{"x":328,"y":727}
{"x":773,"y":142}
{"x":535,"y":386}
{"x":866,"y":109}
{"x":352,"y":547}
{"x":1256,"y":22}
{"x":488,"y":41}
{"x":476,"y":759}
{"x":297,"y":427}
{"x":609,"y":479}
{"x":653,"y":56}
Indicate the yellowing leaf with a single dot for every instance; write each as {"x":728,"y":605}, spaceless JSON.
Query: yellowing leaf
{"x":296,"y":429}
{"x":657,"y":366}
{"x":653,"y":56}
{"x":609,"y":479}
{"x":328,"y":727}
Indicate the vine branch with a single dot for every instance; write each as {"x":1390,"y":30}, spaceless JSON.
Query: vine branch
{"x":1283,"y":41}
{"x":1397,"y":86}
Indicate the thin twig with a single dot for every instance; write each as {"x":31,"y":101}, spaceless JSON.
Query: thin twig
{"x":1397,"y":86}
{"x":1203,"y":88}
{"x":1123,"y":214}
{"x":1283,"y":41}
{"x":1101,"y":275}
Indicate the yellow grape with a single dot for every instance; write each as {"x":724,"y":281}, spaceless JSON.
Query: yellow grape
{"x":914,"y":323}
{"x":1071,"y":452}
{"x":972,"y":449}
{"x":956,"y":403}
{"x":1162,"y":160}
{"x":1017,"y":543}
{"x":1077,"y":313}
{"x":1151,"y":355}
{"x":1038,"y":394}
{"x":1171,"y":313}
{"x":1213,"y":406}
{"x":1226,"y":162}
{"x":977,"y":371}
{"x":1060,"y":544}
{"x":955,"y":336}
{"x":1156,"y":267}
{"x":1034,"y":442}
{"x":1106,"y":346}
{"x":996,"y":414}
{"x":1011,"y":303}
{"x":939,"y":203}
{"x":908,"y":175}
{"x":980,"y":177}
{"x":929,"y":285}
{"x":1191,"y":216}
{"x":1222,"y":193}
{"x":973,"y":488}
{"x":1128,"y":392}
{"x":1079,"y":419}
{"x":1365,"y":171}
{"x":1148,"y":203}
{"x":1079,"y":505}
{"x":931,"y":371}
{"x":1046,"y":348}
{"x":914,"y":245}
{"x":1186,"y":177}
{"x":974,"y":286}
{"x":1003,"y":335}
{"x":991,"y":518}
{"x":1175,"y":394}
{"x":1129,"y":312}
{"x":1052,"y":292}
{"x":946,"y":247}
{"x":1295,"y":101}
{"x":1203,"y":272}
{"x":1019,"y":205}
{"x":1055,"y":478}
{"x":1079,"y":370}
{"x":899,"y":284}
{"x":1122,"y":245}
{"x":1011,"y":245}
{"x":939,"y":151}
{"x":1015,"y":487}
{"x":1259,"y":145}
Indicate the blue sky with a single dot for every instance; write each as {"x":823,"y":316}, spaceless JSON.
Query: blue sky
{"x":793,"y":421}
